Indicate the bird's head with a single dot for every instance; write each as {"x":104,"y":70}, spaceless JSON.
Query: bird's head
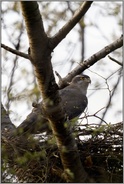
{"x":81,"y":81}
{"x":81,"y":78}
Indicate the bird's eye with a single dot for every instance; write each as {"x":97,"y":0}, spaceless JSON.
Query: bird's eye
{"x":81,"y":78}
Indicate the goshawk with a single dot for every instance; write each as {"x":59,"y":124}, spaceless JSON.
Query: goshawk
{"x":74,"y":102}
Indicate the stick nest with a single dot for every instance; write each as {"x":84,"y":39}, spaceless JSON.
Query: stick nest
{"x":37,"y":159}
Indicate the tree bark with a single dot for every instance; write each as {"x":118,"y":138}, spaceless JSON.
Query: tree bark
{"x":40,"y":56}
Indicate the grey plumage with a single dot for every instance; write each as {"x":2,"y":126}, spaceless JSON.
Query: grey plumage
{"x":73,"y":97}
{"x":6,"y":124}
{"x":74,"y":102}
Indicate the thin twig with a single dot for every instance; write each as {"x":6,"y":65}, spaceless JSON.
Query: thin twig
{"x":121,"y":64}
{"x":18,"y":53}
{"x":110,"y":99}
{"x":17,"y":46}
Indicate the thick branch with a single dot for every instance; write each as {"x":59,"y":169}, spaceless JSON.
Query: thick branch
{"x":40,"y":57}
{"x":91,"y":61}
{"x":35,"y":29}
{"x":18,"y":53}
{"x":58,"y":37}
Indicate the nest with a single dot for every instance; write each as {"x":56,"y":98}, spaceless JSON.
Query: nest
{"x":37,"y":160}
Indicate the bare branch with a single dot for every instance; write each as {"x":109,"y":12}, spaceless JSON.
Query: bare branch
{"x":40,"y":55}
{"x":58,"y":37}
{"x":17,"y":46}
{"x":110,"y":99}
{"x":121,"y":64}
{"x":91,"y":61}
{"x":18,"y":53}
{"x":35,"y":29}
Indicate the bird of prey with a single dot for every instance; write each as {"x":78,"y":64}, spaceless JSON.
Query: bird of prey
{"x":74,"y":102}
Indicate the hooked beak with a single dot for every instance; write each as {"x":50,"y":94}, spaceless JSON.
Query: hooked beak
{"x":88,"y":80}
